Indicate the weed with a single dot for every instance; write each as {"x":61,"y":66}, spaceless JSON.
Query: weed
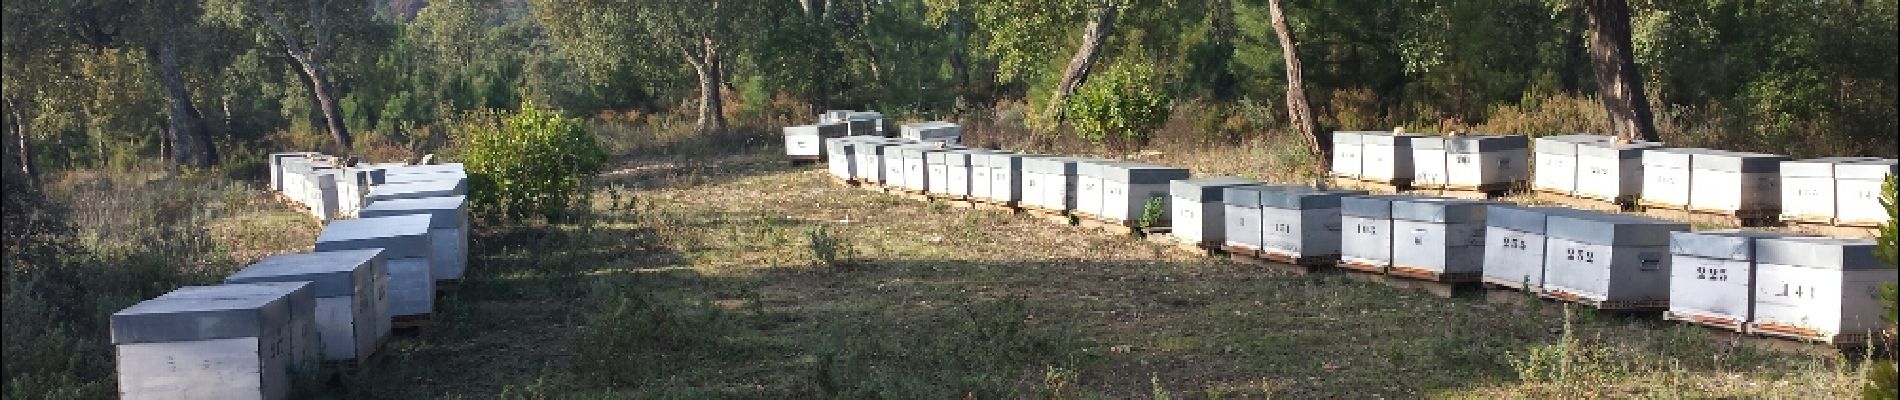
{"x":829,"y":249}
{"x":1153,"y":212}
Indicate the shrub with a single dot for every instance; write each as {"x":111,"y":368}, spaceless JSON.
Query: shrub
{"x":1882,"y":382}
{"x":534,"y":163}
{"x":1153,"y":212}
{"x":1120,"y":107}
{"x":829,"y":249}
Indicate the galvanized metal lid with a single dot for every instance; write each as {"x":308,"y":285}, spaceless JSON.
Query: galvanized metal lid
{"x":1304,"y":198}
{"x":1387,"y":139}
{"x":400,"y":236}
{"x":1725,"y":244}
{"x":1816,"y":167}
{"x":1877,"y":169}
{"x":1670,"y":157}
{"x":1736,"y":161}
{"x":411,"y":190}
{"x":1141,"y":174}
{"x":212,"y":312}
{"x":1093,"y":168}
{"x":1052,"y":165}
{"x":445,"y":211}
{"x":1816,"y":252}
{"x":1247,"y":196}
{"x":1206,"y":189}
{"x":1485,"y":143}
{"x":1429,"y":143}
{"x":801,"y":130}
{"x":1377,"y":206}
{"x":330,"y":273}
{"x":424,"y":177}
{"x":1350,"y":138}
{"x":1007,"y":160}
{"x":943,"y":157}
{"x":1612,"y":229}
{"x":1450,"y":211}
{"x":1566,"y":144}
{"x":1528,"y":219}
{"x":1610,"y":149}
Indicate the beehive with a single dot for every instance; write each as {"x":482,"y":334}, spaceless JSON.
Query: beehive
{"x":448,"y":230}
{"x":1386,"y":157}
{"x":276,"y":161}
{"x":803,"y":140}
{"x":834,"y":115}
{"x":1732,"y":182}
{"x":1301,"y":223}
{"x":1346,"y":149}
{"x":933,"y":131}
{"x":865,"y":123}
{"x":1666,"y":176}
{"x":937,"y":170}
{"x":1607,"y":260}
{"x":839,"y":159}
{"x":293,"y":170}
{"x":1859,"y":192}
{"x":1468,"y":162}
{"x":1050,"y":182}
{"x":241,"y":341}
{"x":1438,"y":239}
{"x":1006,"y":176}
{"x":1712,"y":276}
{"x":320,"y":194}
{"x":1514,"y":247}
{"x":970,"y":174}
{"x":1198,"y":209}
{"x":1089,"y":175}
{"x":351,"y":291}
{"x":1128,"y":187}
{"x":916,"y":171}
{"x":1365,"y":223}
{"x":1557,"y":162}
{"x":1241,"y":216}
{"x":1808,"y":189}
{"x":979,"y":167}
{"x":416,"y":190}
{"x":1610,"y":171}
{"x":893,"y":164}
{"x":1818,"y":288}
{"x":407,"y":252}
{"x":870,"y":155}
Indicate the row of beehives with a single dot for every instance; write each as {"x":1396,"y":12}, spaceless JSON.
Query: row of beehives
{"x":276,"y":323}
{"x":807,"y":142}
{"x":1803,"y":287}
{"x":1835,"y":190}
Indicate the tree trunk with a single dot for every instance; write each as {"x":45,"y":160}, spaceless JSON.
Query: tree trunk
{"x":188,"y":129}
{"x":1093,"y":38}
{"x":1619,"y":83}
{"x":1296,"y":108}
{"x":17,"y":121}
{"x":309,"y":63}
{"x":326,"y":96}
{"x":959,"y":61}
{"x":712,"y":116}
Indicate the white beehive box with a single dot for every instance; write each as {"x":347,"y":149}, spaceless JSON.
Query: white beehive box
{"x":1557,"y":162}
{"x":242,"y":341}
{"x":979,"y":167}
{"x":838,"y":156}
{"x":1241,"y":216}
{"x":1346,"y":149}
{"x":1088,"y":186}
{"x":1128,"y":187}
{"x":1609,"y":171}
{"x":869,"y":123}
{"x":1438,"y":239}
{"x":1731,"y":182}
{"x":834,"y":115}
{"x":937,"y":171}
{"x":916,"y":168}
{"x":321,"y":194}
{"x":1859,"y":192}
{"x":969,"y":172}
{"x":1607,"y":260}
{"x":1712,"y":277}
{"x":1301,"y":224}
{"x":292,"y":173}
{"x":1468,"y":162}
{"x":1808,"y":189}
{"x":417,"y":190}
{"x":1666,"y":176}
{"x":1365,"y":232}
{"x":1198,"y":209}
{"x":276,"y":161}
{"x":933,"y":131}
{"x":1386,"y":157}
{"x":448,"y":230}
{"x":1007,"y":176}
{"x":1515,"y":243}
{"x":869,"y":154}
{"x":1819,"y":289}
{"x":803,"y":140}
{"x":894,"y":165}
{"x":1050,"y":182}
{"x":351,"y":289}
{"x":407,"y":252}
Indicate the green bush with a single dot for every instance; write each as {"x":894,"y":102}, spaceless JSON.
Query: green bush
{"x":534,"y":163}
{"x":1882,"y":382}
{"x":1121,"y":106}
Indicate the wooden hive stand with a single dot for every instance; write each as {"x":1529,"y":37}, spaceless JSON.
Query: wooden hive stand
{"x":1438,"y":284}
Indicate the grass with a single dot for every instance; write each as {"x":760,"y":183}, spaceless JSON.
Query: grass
{"x":696,"y":277}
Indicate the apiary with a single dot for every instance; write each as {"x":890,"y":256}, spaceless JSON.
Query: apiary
{"x":1346,"y":149}
{"x":416,"y":190}
{"x":1712,"y":276}
{"x":1859,"y":192}
{"x":408,"y":255}
{"x":1241,"y":216}
{"x":1608,"y":261}
{"x":239,"y":341}
{"x":1611,"y":171}
{"x":1468,"y":162}
{"x":1808,"y":189}
{"x":1557,"y":162}
{"x":1438,"y":240}
{"x":1386,"y":157}
{"x":1735,"y":183}
{"x":1818,"y":289}
{"x":1301,"y":225}
{"x":448,"y":230}
{"x":1128,"y":187}
{"x":351,"y":291}
{"x":1365,"y":223}
{"x":1666,"y":177}
{"x":1198,"y":209}
{"x":1006,"y":177}
{"x":1049,"y":182}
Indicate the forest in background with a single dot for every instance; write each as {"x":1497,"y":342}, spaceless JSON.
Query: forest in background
{"x":119,"y":83}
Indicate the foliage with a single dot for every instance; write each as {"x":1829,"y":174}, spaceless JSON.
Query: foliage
{"x":1120,"y":106}
{"x":1883,"y":381}
{"x":1153,"y":212}
{"x":829,"y":249}
{"x":532,"y":164}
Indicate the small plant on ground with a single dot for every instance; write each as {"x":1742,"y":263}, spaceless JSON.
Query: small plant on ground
{"x":532,"y":163}
{"x":1121,"y":107}
{"x":1153,"y":212}
{"x":829,"y":249}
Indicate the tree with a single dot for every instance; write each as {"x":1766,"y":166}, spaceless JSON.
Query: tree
{"x":308,"y":33}
{"x":190,"y":134}
{"x":699,"y":33}
{"x":1619,"y":83}
{"x":1297,"y":110}
{"x":1094,"y":36}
